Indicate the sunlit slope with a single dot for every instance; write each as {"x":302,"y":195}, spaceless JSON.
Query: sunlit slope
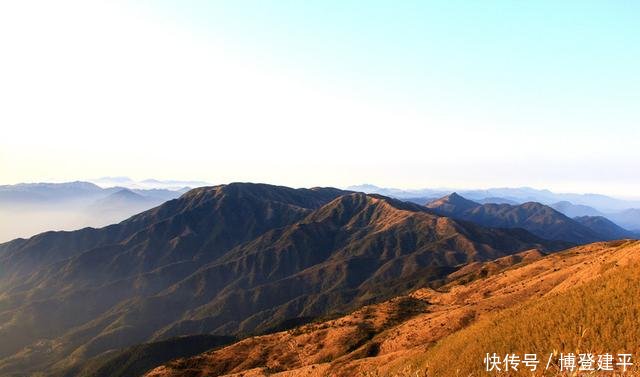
{"x":580,"y":300}
{"x":600,"y":316}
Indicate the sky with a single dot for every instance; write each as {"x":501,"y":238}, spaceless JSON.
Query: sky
{"x":405,"y":94}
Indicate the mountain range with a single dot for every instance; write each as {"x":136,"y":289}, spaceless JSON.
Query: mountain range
{"x":625,"y":213}
{"x":146,"y":184}
{"x":63,"y":194}
{"x":537,"y":218}
{"x":231,"y":260}
{"x":231,"y":267}
{"x":30,"y":208}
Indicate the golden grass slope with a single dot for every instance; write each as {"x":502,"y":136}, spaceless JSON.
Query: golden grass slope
{"x":597,"y":316}
{"x":580,"y":300}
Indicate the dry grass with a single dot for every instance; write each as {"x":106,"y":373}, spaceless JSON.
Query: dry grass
{"x":598,"y":317}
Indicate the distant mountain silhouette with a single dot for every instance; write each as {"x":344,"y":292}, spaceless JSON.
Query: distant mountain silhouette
{"x":234,"y":259}
{"x":516,"y":195}
{"x":629,"y":219}
{"x":497,"y":200}
{"x":125,"y":196}
{"x":39,"y":193}
{"x":125,"y":199}
{"x":537,"y":218}
{"x":70,"y":193}
{"x":420,"y":199}
{"x":605,"y":227}
{"x":123,"y":203}
{"x":147,"y":184}
{"x":575,"y":210}
{"x":452,"y":204}
{"x":31,"y":208}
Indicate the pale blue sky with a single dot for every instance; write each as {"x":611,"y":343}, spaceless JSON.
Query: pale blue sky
{"x":503,"y":54}
{"x":410,"y":94}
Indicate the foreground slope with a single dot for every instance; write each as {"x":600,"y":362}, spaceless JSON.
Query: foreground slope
{"x":599,"y":316}
{"x":583,"y":299}
{"x":229,"y":260}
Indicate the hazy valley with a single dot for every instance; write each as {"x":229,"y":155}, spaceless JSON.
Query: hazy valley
{"x":27,"y":209}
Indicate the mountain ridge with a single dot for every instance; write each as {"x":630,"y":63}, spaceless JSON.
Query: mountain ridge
{"x":603,"y":203}
{"x":537,"y":218}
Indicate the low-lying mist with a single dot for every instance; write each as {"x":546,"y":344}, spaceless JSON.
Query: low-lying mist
{"x":26,"y":221}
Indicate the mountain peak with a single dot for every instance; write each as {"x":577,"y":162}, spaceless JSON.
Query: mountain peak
{"x":452,"y":204}
{"x":454,"y":196}
{"x":123,"y":198}
{"x":126,"y":193}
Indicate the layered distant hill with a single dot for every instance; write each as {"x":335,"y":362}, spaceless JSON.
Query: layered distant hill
{"x":125,"y":200}
{"x":575,"y":210}
{"x":147,"y":184}
{"x":630,"y":219}
{"x":606,"y":228}
{"x":228,"y":260}
{"x":625,"y":213}
{"x":63,"y":194}
{"x":511,"y":195}
{"x":30,"y":208}
{"x":537,"y":218}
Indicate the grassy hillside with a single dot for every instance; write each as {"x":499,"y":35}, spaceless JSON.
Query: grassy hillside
{"x":601,"y":316}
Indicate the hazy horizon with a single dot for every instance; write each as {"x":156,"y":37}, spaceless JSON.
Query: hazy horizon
{"x":164,"y":184}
